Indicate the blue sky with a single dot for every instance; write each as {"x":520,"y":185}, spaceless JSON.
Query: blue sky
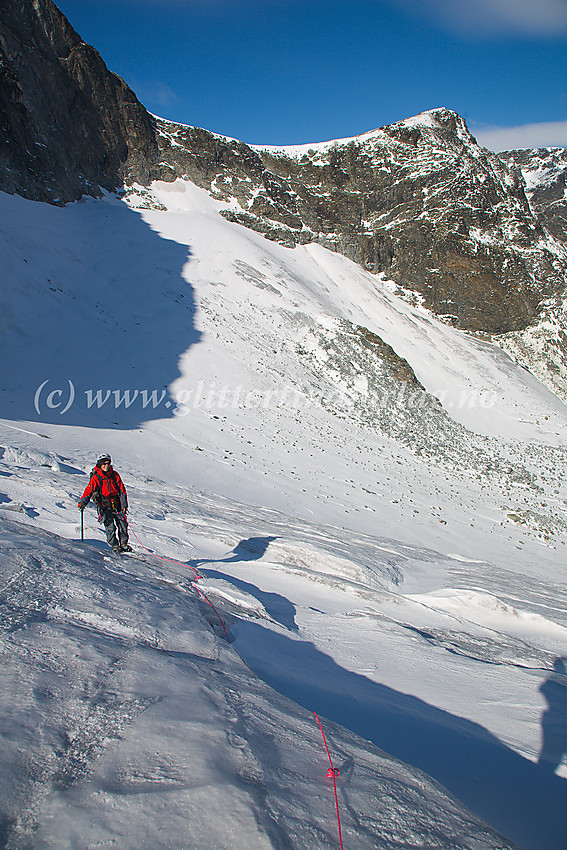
{"x":296,"y":71}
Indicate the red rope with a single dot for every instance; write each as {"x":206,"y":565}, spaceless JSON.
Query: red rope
{"x":332,"y":773}
{"x":181,"y":564}
{"x":161,"y":557}
{"x":208,"y":601}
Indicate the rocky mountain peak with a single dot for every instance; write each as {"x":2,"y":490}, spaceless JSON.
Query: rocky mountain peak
{"x":419,"y":201}
{"x":439,"y":120}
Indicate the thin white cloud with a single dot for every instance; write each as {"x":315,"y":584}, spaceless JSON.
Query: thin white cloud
{"x":542,"y":18}
{"x":549,"y":134}
{"x":157,"y":93}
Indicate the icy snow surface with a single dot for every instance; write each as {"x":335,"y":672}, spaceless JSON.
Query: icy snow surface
{"x":400,"y":571}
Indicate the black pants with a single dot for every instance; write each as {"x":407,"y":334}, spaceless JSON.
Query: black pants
{"x":115,"y":523}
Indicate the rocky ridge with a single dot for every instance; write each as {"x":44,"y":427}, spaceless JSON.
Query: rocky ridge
{"x":475,"y":237}
{"x":419,"y":201}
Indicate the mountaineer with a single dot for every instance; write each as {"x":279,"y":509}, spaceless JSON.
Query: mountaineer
{"x":109,"y":494}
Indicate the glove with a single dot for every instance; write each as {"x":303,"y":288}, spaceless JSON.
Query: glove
{"x":82,"y":504}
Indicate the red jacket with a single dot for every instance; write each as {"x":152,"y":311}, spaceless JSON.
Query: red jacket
{"x":106,"y":487}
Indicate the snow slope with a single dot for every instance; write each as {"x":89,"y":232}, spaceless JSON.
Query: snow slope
{"x":127,"y":723}
{"x":394,"y":562}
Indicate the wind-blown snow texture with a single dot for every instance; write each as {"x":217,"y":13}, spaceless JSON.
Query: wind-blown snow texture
{"x":127,"y":723}
{"x":375,"y":500}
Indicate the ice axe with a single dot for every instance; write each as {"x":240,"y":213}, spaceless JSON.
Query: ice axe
{"x":82,"y":525}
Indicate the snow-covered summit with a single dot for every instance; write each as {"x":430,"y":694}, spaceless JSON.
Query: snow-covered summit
{"x":432,"y":118}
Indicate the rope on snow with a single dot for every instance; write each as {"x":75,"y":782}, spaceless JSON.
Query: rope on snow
{"x":332,"y":773}
{"x":181,"y":564}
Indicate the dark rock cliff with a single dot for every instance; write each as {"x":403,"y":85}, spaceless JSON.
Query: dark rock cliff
{"x":67,"y":124}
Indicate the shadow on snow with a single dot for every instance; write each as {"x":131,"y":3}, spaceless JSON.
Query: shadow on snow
{"x":277,"y":606}
{"x":95,"y":318}
{"x":524,"y":801}
{"x":520,"y":799}
{"x":554,"y":719}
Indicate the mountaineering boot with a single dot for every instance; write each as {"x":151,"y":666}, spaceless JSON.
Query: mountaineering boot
{"x":125,"y":547}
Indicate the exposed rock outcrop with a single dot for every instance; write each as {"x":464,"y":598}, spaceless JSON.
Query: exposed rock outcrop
{"x":542,"y":347}
{"x":544,"y":171}
{"x":68,"y":125}
{"x":418,"y":200}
